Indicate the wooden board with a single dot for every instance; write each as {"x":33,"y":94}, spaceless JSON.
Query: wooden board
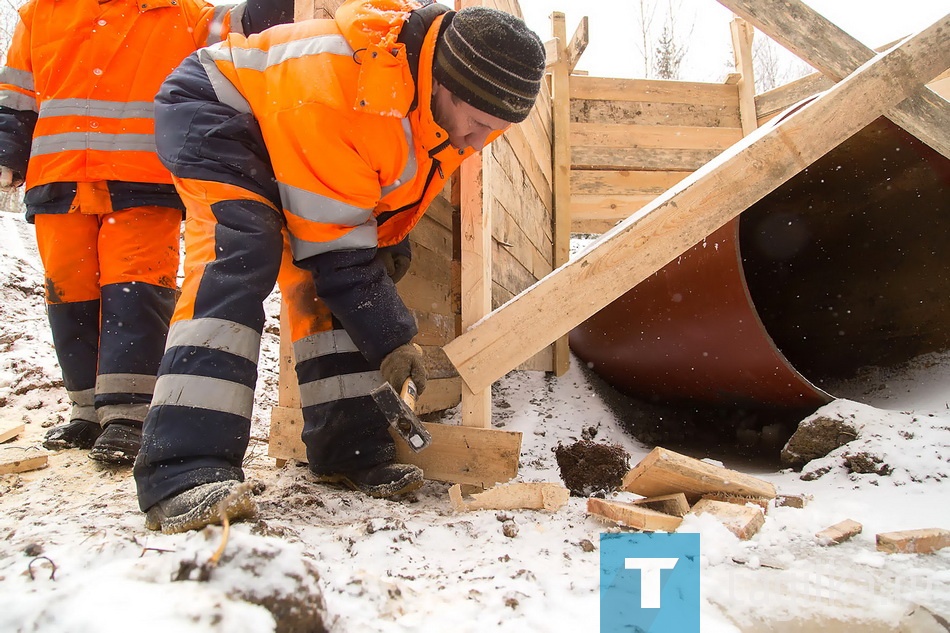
{"x":466,"y":455}
{"x":706,"y":200}
{"x":922,"y":541}
{"x":18,"y":459}
{"x":674,"y":504}
{"x":824,"y":46}
{"x":839,"y":532}
{"x":513,"y":496}
{"x":9,"y":431}
{"x":633,"y":516}
{"x":743,"y":521}
{"x":665,"y":472}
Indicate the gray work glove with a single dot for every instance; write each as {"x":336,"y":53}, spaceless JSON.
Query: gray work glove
{"x":396,"y":259}
{"x":406,"y":361}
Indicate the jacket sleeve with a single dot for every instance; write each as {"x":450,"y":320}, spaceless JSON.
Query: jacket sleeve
{"x":18,"y":108}
{"x":263,"y":14}
{"x":200,"y":138}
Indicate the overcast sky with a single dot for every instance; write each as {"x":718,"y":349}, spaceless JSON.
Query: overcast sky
{"x":612,"y":51}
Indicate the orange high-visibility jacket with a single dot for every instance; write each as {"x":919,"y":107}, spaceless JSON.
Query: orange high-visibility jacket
{"x":332,"y":122}
{"x":76,"y":95}
{"x":356,"y":164}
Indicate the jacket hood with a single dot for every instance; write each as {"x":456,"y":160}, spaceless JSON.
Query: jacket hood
{"x":372,"y":27}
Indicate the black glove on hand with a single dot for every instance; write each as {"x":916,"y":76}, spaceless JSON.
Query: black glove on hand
{"x":406,"y":361}
{"x":396,"y":259}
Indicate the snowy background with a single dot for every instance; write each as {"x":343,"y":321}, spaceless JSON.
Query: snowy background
{"x":75,"y":555}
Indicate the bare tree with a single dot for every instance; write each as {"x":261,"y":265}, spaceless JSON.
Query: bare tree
{"x":662,"y":54}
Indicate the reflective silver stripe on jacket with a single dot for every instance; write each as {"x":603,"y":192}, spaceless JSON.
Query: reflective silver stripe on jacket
{"x":323,"y":344}
{"x":125,"y":383}
{"x":216,"y":334}
{"x":98,"y":141}
{"x":13,"y":99}
{"x":224,"y":90}
{"x":201,"y":392}
{"x":316,"y":208}
{"x":96,"y":108}
{"x":409,"y":171}
{"x":216,"y":31}
{"x":360,"y":237}
{"x":17,"y":101}
{"x":339,"y":387}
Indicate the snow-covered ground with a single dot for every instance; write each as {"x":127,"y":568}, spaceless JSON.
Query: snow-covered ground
{"x":75,"y":555}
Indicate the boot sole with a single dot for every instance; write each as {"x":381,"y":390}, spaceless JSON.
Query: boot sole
{"x":206,"y":513}
{"x":377,"y":492}
{"x":113,"y":456}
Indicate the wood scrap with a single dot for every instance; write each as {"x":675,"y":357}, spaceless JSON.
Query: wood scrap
{"x":739,"y":500}
{"x":20,"y":459}
{"x":839,"y":532}
{"x":664,"y":472}
{"x":792,"y":501}
{"x":923,"y":541}
{"x":9,"y":431}
{"x":743,"y":521}
{"x":632,"y":515}
{"x":513,"y":496}
{"x":674,"y":504}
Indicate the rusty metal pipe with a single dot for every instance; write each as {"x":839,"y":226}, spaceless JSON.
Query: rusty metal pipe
{"x":845,"y":266}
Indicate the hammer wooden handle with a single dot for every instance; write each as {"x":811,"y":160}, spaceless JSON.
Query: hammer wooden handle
{"x":409,"y":393}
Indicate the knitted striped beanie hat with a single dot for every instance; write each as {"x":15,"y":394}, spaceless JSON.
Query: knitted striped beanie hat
{"x":491,"y":60}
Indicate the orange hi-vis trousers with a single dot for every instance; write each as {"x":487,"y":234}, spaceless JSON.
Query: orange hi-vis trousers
{"x":110,"y":292}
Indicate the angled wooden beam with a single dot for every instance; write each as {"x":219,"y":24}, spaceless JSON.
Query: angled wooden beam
{"x":836,"y":54}
{"x":707,"y":199}
{"x":578,"y":44}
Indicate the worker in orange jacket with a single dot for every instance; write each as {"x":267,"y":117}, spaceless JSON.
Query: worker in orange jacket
{"x":332,"y":137}
{"x":77,"y":124}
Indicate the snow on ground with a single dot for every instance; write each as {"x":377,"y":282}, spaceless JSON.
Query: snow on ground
{"x":75,"y":555}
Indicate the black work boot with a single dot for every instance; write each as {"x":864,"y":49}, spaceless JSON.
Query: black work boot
{"x":75,"y":434}
{"x":200,"y":506}
{"x":119,"y":443}
{"x":381,"y":481}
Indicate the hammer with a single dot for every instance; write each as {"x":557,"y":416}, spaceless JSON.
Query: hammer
{"x":399,"y":409}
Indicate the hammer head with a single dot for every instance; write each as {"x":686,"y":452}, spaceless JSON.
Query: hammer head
{"x":401,"y":416}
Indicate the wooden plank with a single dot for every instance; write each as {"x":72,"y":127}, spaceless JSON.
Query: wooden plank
{"x":645,"y":242}
{"x":458,"y":454}
{"x":808,"y":34}
{"x":650,"y":113}
{"x":761,"y":502}
{"x":661,"y":159}
{"x":653,"y":136}
{"x":742,"y":34}
{"x":923,"y":541}
{"x":19,"y":459}
{"x":9,"y":430}
{"x":608,"y":207}
{"x":743,"y":521}
{"x":778,"y":99}
{"x":839,"y":532}
{"x":476,"y":273}
{"x":633,"y":516}
{"x":513,"y":496}
{"x":561,"y":157}
{"x":674,"y":504}
{"x":652,"y":90}
{"x":664,"y":472}
{"x":578,"y":44}
{"x":623,"y":182}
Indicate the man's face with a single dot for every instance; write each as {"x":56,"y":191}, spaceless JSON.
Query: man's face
{"x":467,"y":126}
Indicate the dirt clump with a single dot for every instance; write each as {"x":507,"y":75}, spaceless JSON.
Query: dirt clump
{"x":588,"y":467}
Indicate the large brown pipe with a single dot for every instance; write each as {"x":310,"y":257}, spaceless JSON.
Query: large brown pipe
{"x":845,"y":266}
